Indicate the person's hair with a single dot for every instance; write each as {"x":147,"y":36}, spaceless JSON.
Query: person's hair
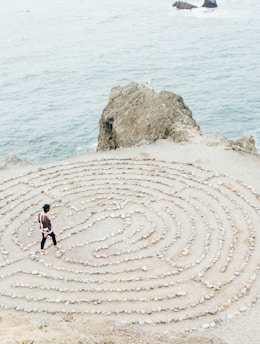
{"x":46,"y":208}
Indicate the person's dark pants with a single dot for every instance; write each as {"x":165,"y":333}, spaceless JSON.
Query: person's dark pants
{"x":52,"y":235}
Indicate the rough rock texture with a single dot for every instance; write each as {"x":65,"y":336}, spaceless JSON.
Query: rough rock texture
{"x":136,"y":115}
{"x":245,"y":144}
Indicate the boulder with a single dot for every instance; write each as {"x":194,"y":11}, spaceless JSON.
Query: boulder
{"x":182,"y":5}
{"x":245,"y":144}
{"x":136,"y":115}
{"x":210,"y":4}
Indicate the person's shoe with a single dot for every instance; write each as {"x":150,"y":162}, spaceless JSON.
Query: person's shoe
{"x":42,"y":252}
{"x":56,"y":247}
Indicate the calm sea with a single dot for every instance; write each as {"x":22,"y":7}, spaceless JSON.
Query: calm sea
{"x":59,"y":60}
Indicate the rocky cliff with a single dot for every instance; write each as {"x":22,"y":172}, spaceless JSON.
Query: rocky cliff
{"x":136,"y":115}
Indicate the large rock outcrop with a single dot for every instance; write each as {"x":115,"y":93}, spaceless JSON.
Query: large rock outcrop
{"x":136,"y":115}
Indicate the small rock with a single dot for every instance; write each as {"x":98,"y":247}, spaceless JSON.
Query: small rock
{"x":242,"y":309}
{"x":58,"y":254}
{"x":205,"y":326}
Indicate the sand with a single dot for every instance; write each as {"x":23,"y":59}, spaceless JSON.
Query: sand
{"x":158,"y":243}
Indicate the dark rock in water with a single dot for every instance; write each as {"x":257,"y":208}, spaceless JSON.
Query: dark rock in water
{"x":182,"y":5}
{"x":136,"y":115}
{"x":210,"y":4}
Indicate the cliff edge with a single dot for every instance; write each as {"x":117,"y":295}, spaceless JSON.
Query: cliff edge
{"x":136,"y":115}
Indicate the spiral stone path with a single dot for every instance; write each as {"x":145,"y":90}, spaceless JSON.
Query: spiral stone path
{"x":142,"y":241}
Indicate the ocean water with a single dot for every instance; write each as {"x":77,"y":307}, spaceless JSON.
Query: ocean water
{"x":59,"y":60}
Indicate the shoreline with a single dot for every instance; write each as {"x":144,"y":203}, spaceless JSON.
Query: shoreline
{"x":209,"y":143}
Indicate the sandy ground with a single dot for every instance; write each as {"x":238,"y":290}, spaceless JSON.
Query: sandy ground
{"x":158,"y":244}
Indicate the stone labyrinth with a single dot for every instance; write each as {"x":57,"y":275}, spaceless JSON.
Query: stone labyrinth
{"x":142,"y":242}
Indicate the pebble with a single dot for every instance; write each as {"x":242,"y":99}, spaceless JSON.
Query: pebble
{"x":58,"y":254}
{"x":242,"y":309}
{"x":205,"y":326}
{"x":106,"y":266}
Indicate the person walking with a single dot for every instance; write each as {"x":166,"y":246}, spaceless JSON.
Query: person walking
{"x":46,"y":227}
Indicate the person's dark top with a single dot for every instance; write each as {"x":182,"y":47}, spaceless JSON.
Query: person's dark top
{"x":46,"y":222}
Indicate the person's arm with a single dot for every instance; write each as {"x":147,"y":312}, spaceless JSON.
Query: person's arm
{"x":40,"y":223}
